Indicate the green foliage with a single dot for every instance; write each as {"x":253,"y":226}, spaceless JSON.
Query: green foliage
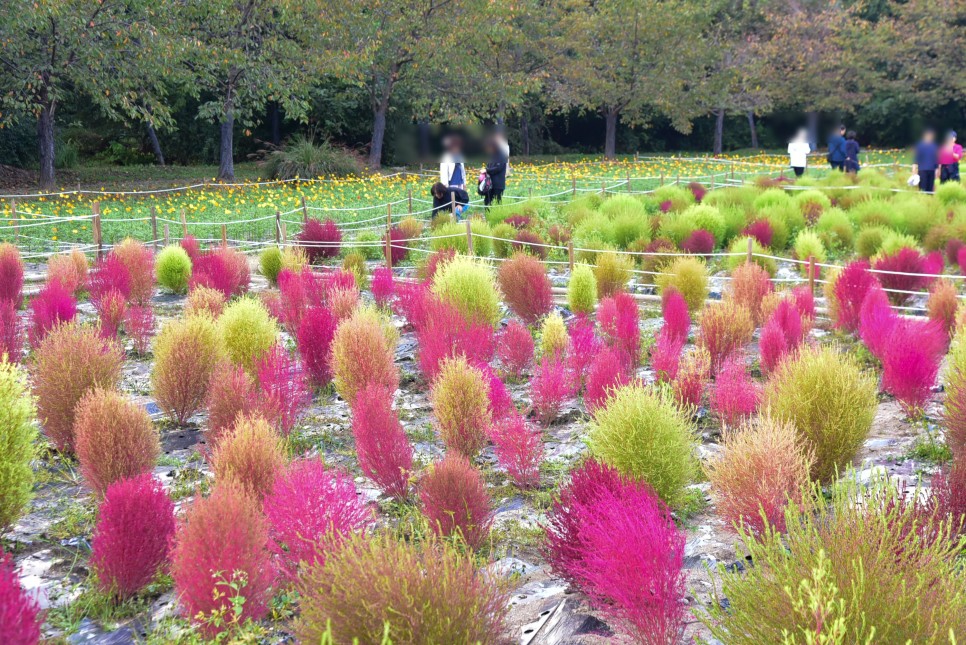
{"x":951,"y":192}
{"x":553,"y":336}
{"x":689,"y":275}
{"x":18,"y":434}
{"x":680,"y":225}
{"x":535,"y":209}
{"x":374,"y":245}
{"x":172,"y":268}
{"x":303,"y":158}
{"x":613,"y":272}
{"x":869,"y":241}
{"x":270,"y":263}
{"x":740,"y":246}
{"x":771,"y":197}
{"x":355,"y":263}
{"x":503,"y":231}
{"x":809,"y":245}
{"x":630,"y":219}
{"x":829,"y":399}
{"x":248,"y":331}
{"x":812,"y":197}
{"x":582,"y":290}
{"x":835,"y":229}
{"x":469,"y":285}
{"x":678,"y":196}
{"x":892,"y":242}
{"x":481,"y":246}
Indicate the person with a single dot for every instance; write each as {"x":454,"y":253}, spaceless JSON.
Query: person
{"x":851,"y":152}
{"x":495,"y":173}
{"x":452,"y":167}
{"x":949,"y":157}
{"x":445,"y":196}
{"x":504,"y":146}
{"x":836,"y":149}
{"x":798,"y":150}
{"x":926,"y":161}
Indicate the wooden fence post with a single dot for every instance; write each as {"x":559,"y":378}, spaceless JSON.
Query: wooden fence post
{"x":96,"y":228}
{"x":712,"y":181}
{"x":224,"y":235}
{"x":811,"y":274}
{"x":603,"y":188}
{"x":452,"y":205}
{"x":570,"y":255}
{"x":167,"y":234}
{"x":678,"y":180}
{"x":388,"y":236}
{"x":410,"y":196}
{"x":628,"y":181}
{"x":573,"y":181}
{"x":278,"y":227}
{"x":184,"y":225}
{"x":751,"y":249}
{"x":16,"y":220}
{"x":305,"y":210}
{"x":732,"y":173}
{"x":662,"y":177}
{"x":469,"y":237}
{"x":154,"y":227}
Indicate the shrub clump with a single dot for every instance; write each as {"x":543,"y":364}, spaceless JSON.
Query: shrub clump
{"x":17,"y":437}
{"x":689,"y":277}
{"x":526,"y":287}
{"x":519,"y":449}
{"x":250,"y":455}
{"x":724,"y":329}
{"x":383,"y":449}
{"x":320,"y":240}
{"x":461,"y":405}
{"x":426,"y":592}
{"x":553,"y":336}
{"x":11,"y":273}
{"x":582,"y":290}
{"x":186,"y":353}
{"x":469,"y":286}
{"x":644,"y":434}
{"x":20,"y":613}
{"x":363,"y":354}
{"x":455,"y":500}
{"x":514,"y":347}
{"x":205,"y":300}
{"x":613,"y":271}
{"x":248,"y":331}
{"x":173,"y":268}
{"x":830,"y":401}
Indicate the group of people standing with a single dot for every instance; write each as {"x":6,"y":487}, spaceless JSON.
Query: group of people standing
{"x":931,"y":160}
{"x":450,"y":191}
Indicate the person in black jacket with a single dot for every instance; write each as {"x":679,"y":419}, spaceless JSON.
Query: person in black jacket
{"x":496,"y":170}
{"x":443,"y":198}
{"x":852,"y":151}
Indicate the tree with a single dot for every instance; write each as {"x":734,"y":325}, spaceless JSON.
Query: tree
{"x":631,"y":59}
{"x":115,"y":52}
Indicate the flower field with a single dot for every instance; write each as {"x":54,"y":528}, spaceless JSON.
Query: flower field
{"x":729,"y":409}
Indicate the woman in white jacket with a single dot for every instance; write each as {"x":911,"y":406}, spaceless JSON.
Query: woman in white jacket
{"x":452,"y":168}
{"x":798,"y":150}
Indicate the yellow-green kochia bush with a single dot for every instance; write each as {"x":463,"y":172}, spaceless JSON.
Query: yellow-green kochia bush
{"x":18,"y":434}
{"x":470,"y":286}
{"x":829,"y":399}
{"x":270,"y":263}
{"x":173,"y":268}
{"x":582,"y":290}
{"x":553,"y":336}
{"x":689,"y":276}
{"x":247,"y":330}
{"x":643,"y":433}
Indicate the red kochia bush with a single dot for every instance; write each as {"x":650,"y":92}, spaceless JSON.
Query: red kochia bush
{"x":455,"y":500}
{"x":761,"y":230}
{"x":398,"y":245}
{"x":618,"y":318}
{"x":139,"y":261}
{"x":735,"y":395}
{"x":677,"y":320}
{"x":320,"y":239}
{"x":781,"y":335}
{"x":550,"y":387}
{"x":109,"y":275}
{"x":190,"y":245}
{"x":133,"y":535}
{"x":501,"y":403}
{"x":298,"y":292}
{"x":384,"y":453}
{"x":314,"y":339}
{"x":699,"y":242}
{"x":900,"y":269}
{"x":876,"y":321}
{"x":582,"y":347}
{"x":11,"y":274}
{"x":519,"y":449}
{"x":607,"y":373}
{"x":446,"y":333}
{"x":223,"y":269}
{"x":910,"y":362}
{"x":112,"y":308}
{"x":310,"y":511}
{"x":222,"y":539}
{"x":526,"y":287}
{"x":849,"y":292}
{"x":285,"y":393}
{"x":52,"y":306}
{"x":514,"y":348}
{"x":11,"y":337}
{"x":383,"y":286}
{"x":230,"y":395}
{"x":20,"y":613}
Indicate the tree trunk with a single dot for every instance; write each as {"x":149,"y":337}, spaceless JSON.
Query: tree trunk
{"x":275,"y":121}
{"x":811,"y":120}
{"x":226,"y":170}
{"x":45,"y":139}
{"x":378,"y":137}
{"x":422,"y":127}
{"x":754,"y":129}
{"x":155,"y":144}
{"x":525,"y":135}
{"x":718,"y":131}
{"x":610,"y":132}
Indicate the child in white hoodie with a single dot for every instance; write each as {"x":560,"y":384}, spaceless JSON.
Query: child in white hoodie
{"x":798,"y":150}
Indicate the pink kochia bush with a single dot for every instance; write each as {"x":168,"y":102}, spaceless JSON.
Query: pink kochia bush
{"x":298,"y":292}
{"x":514,"y":348}
{"x":618,"y":318}
{"x":222,"y":540}
{"x":112,"y":309}
{"x":314,"y":339}
{"x":11,"y":274}
{"x":876,"y":321}
{"x":20,"y":615}
{"x":550,"y":387}
{"x":133,"y":535}
{"x":446,"y":333}
{"x":11,"y":338}
{"x":582,"y":348}
{"x":677,"y":320}
{"x":320,"y":239}
{"x":52,"y":306}
{"x":910,"y":362}
{"x":849,"y":291}
{"x":455,"y":500}
{"x":223,"y":269}
{"x":383,"y":286}
{"x":519,"y":449}
{"x":285,"y":392}
{"x":616,"y":540}
{"x":383,"y":450}
{"x":607,"y":373}
{"x":501,"y":403}
{"x":735,"y":395}
{"x":781,"y":335}
{"x":898,"y":272}
{"x":666,"y":356}
{"x":699,"y":242}
{"x":311,"y":511}
{"x":139,"y":325}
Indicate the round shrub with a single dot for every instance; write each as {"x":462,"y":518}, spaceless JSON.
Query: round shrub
{"x":468,"y":285}
{"x":222,"y":540}
{"x":17,"y":436}
{"x":425,"y":592}
{"x":771,"y":197}
{"x":133,"y":535}
{"x":355,"y":263}
{"x":553,"y":336}
{"x":11,"y":273}
{"x":69,"y":363}
{"x":20,"y":612}
{"x":748,"y":288}
{"x":247,"y":331}
{"x":462,"y":406}
{"x":270,"y":263}
{"x":173,"y":268}
{"x":644,"y":434}
{"x":739,"y":247}
{"x":809,"y":245}
{"x":186,"y":352}
{"x":362,"y":354}
{"x":503,"y":245}
{"x":702,"y":217}
{"x":689,"y":277}
{"x":139,"y":261}
{"x":231,"y":394}
{"x":319,"y":239}
{"x":830,"y":401}
{"x":613,"y":271}
{"x":371,"y":245}
{"x":526,"y":287}
{"x":114,"y":439}
{"x":515,"y":348}
{"x":582,"y":290}
{"x":951,"y":193}
{"x":53,"y":306}
{"x":250,"y":455}
{"x":455,"y":500}
{"x":452,"y":236}
{"x":63,"y":268}
{"x":205,"y":300}
{"x":835,"y":228}
{"x":724,"y":328}
{"x":383,"y":450}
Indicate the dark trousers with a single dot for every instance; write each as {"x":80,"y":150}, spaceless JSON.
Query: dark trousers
{"x":927,"y":180}
{"x":799,"y":170}
{"x":837,"y":165}
{"x":949,"y":172}
{"x":493,"y":196}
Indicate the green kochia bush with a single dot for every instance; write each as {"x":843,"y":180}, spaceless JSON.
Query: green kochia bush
{"x":270,"y":263}
{"x":950,"y":193}
{"x":173,"y":268}
{"x":772,"y":197}
{"x":858,"y":568}
{"x":642,"y":433}
{"x":18,"y":434}
{"x":582,"y":290}
{"x":481,"y":245}
{"x":248,"y":331}
{"x":470,"y":286}
{"x":808,"y":245}
{"x":680,"y":225}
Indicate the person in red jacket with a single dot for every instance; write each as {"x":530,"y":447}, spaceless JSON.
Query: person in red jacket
{"x":950,"y":154}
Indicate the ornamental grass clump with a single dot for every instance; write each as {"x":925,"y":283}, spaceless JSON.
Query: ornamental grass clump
{"x":674,"y":310}
{"x":762,"y":467}
{"x":320,"y":240}
{"x":173,"y":268}
{"x":270,"y":263}
{"x":250,"y":455}
{"x":910,"y":363}
{"x":69,"y":363}
{"x":446,"y":333}
{"x":582,"y":348}
{"x":222,"y":269}
{"x":384,"y":452}
{"x":247,"y":331}
{"x":519,"y":449}
{"x":514,"y":348}
{"x":111,"y":309}
{"x":383,"y":286}
{"x":455,"y":501}
{"x":849,"y":289}
{"x":114,"y":439}
{"x":723,"y":330}
{"x":53,"y":306}
{"x":311,"y":510}
{"x":69,"y":269}
{"x":110,"y":275}
{"x":781,"y":336}
{"x":461,"y":405}
{"x":735,"y":395}
{"x":553,"y":337}
{"x":18,"y":435}
{"x":613,"y":272}
{"x":468,"y":285}
{"x":855,"y":567}
{"x":619,"y":319}
{"x":205,"y":300}
{"x":582,"y":290}
{"x":693,"y":372}
{"x":643,"y":433}
{"x":362,"y":354}
{"x":20,"y":613}
{"x":689,"y":276}
{"x":550,"y":387}
{"x":942,"y":304}
{"x":223,"y":540}
{"x":316,"y":331}
{"x":285,"y":394}
{"x":525,"y":286}
{"x":419,"y":592}
{"x":11,"y":333}
{"x":133,"y":535}
{"x":139,"y":326}
{"x":829,"y":399}
{"x":186,"y":352}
